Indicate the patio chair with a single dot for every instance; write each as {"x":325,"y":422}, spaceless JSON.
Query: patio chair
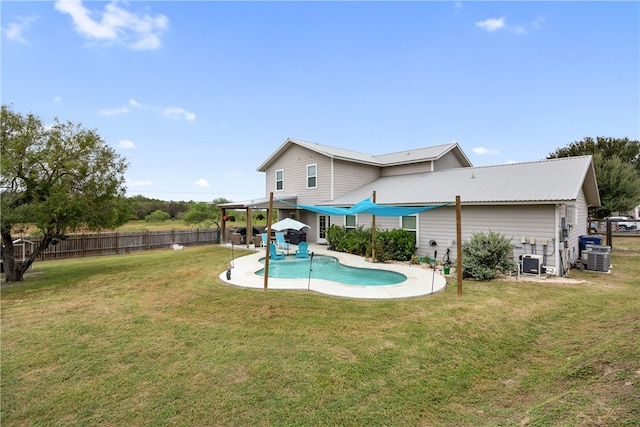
{"x":303,"y":250}
{"x":280,"y":241}
{"x":274,"y":253}
{"x":265,"y":240}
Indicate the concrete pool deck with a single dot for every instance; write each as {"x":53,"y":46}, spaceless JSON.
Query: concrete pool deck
{"x":418,"y":283}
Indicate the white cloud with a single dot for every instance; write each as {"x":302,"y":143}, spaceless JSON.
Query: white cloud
{"x":57,"y":100}
{"x":138,"y":183}
{"x":135,"y":103}
{"x":15,"y":30}
{"x":116,"y":25}
{"x":126,"y":143}
{"x":235,"y":173}
{"x":491,"y":24}
{"x":202,"y":183}
{"x":494,"y":24}
{"x":482,"y":151}
{"x":509,"y":162}
{"x":176,"y":113}
{"x":114,"y":111}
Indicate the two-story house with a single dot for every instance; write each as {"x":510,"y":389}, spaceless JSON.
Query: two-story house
{"x":541,"y":206}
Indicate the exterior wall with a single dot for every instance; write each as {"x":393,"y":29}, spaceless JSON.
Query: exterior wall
{"x":406,"y":169}
{"x":294,"y":162}
{"x":576,"y":215}
{"x":448,"y":161}
{"x":515,"y":222}
{"x":348,"y":176}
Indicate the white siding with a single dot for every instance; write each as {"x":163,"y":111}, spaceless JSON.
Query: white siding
{"x":514,"y":222}
{"x":349,"y":176}
{"x":448,"y":161}
{"x":294,"y":162}
{"x":406,"y":169}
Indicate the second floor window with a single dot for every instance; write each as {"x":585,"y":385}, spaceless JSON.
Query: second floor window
{"x":312,"y":176}
{"x":280,"y":180}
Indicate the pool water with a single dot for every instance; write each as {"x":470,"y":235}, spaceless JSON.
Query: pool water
{"x":329,"y":268}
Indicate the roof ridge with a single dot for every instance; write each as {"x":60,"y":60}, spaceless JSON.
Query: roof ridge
{"x":516,"y":163}
{"x":415,"y":149}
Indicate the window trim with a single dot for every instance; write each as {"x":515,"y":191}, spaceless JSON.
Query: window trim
{"x":416,"y":230}
{"x":355,"y":226}
{"x":276,"y":180}
{"x":315,"y":165}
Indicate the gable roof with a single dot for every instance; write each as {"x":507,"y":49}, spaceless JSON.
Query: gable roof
{"x":401,"y":157}
{"x":547,"y":181}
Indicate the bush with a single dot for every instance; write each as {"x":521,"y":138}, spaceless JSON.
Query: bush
{"x":399,"y":245}
{"x":485,"y":255}
{"x":356,"y":241}
{"x":157,"y":216}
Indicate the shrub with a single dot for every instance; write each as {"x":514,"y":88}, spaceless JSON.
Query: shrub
{"x":485,"y":255}
{"x":157,"y":216}
{"x":394,"y":244}
{"x":357,"y":241}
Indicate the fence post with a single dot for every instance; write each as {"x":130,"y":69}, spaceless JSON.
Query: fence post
{"x":82,"y":245}
{"x":609,"y":234}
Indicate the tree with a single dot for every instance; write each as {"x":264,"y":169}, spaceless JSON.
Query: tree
{"x":617,"y":165}
{"x":205,"y":212}
{"x":56,"y":178}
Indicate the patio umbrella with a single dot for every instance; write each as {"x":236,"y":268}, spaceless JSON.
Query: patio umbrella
{"x":288,"y":224}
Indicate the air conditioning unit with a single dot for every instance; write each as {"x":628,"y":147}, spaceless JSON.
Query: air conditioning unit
{"x":531,"y":264}
{"x":596,"y":261}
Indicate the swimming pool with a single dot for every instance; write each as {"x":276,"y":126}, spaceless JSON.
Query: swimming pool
{"x":329,"y":268}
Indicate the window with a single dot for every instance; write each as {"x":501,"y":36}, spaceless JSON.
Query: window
{"x":350,"y":222}
{"x":410,"y":223}
{"x":280,"y":180}
{"x":312,"y":176}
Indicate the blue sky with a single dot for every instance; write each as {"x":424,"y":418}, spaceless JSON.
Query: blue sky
{"x":196,"y":95}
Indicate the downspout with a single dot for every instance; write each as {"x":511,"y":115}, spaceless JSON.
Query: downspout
{"x":331,"y":190}
{"x":557,"y":242}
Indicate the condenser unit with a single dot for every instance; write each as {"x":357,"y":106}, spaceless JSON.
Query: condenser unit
{"x":596,"y":261}
{"x":532,"y":264}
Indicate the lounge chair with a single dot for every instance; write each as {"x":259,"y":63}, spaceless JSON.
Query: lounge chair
{"x":303,"y":250}
{"x":280,"y":241}
{"x":274,"y":253}
{"x":265,"y":240}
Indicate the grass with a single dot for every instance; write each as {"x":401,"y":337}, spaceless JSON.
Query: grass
{"x":176,"y":224}
{"x":155,"y":339}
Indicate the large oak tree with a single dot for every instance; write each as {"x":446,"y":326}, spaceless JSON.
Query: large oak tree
{"x":57,"y":178}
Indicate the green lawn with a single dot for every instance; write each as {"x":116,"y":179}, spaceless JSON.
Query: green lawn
{"x":155,"y":339}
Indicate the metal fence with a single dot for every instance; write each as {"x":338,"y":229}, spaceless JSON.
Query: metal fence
{"x":620,"y":235}
{"x":113,"y":243}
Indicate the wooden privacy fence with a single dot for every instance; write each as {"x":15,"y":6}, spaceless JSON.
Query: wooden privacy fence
{"x":93,"y":244}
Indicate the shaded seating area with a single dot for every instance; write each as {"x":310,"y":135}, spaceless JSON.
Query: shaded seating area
{"x":274,"y":253}
{"x":303,"y":250}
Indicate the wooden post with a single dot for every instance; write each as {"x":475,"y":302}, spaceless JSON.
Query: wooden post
{"x":223,"y":228}
{"x":249,"y":230}
{"x":268,"y":242}
{"x":459,"y":244}
{"x":373,"y":231}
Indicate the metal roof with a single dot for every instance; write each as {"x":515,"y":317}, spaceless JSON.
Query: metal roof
{"x":262,"y":203}
{"x":546,"y":181}
{"x":401,"y":157}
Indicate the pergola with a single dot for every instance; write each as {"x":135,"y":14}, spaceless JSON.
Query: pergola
{"x":283,"y":202}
